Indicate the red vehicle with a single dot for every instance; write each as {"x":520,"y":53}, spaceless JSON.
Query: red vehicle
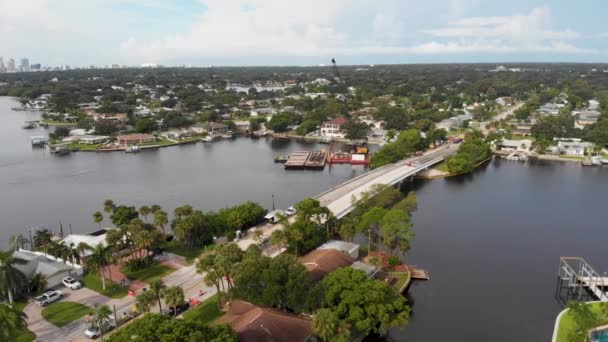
{"x":418,"y":153}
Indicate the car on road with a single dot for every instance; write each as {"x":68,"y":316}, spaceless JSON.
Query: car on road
{"x":416,"y":163}
{"x":71,"y":283}
{"x":290,"y":211}
{"x":48,"y":297}
{"x":94,"y":331}
{"x":180,"y":309}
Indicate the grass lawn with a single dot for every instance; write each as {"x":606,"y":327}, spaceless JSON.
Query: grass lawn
{"x":443,"y":166}
{"x":57,"y":123}
{"x":206,"y":312}
{"x":573,"y":157}
{"x":23,"y":335}
{"x":84,"y":147}
{"x":159,"y":142}
{"x":113,"y":290}
{"x":62,"y":313}
{"x":150,"y":274}
{"x":566,"y":324}
{"x":401,"y":279}
{"x":176,"y":247}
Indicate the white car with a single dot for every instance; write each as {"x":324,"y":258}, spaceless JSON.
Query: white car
{"x":93,"y":330}
{"x":290,"y":211}
{"x":48,"y":297}
{"x":71,"y":283}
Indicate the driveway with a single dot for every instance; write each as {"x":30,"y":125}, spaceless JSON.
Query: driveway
{"x":46,"y":331}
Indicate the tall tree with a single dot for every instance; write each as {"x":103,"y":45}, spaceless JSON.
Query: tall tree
{"x":100,"y":316}
{"x":396,"y":230}
{"x":97,"y":218}
{"x":144,"y":301}
{"x":108,"y":206}
{"x":11,"y":279}
{"x":160,"y":219}
{"x":174,"y":297}
{"x":99,"y":259}
{"x":325,"y":324}
{"x":144,"y":210}
{"x":11,"y":321}
{"x":157,"y":288}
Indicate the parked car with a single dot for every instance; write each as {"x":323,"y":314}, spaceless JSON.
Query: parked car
{"x":93,"y":331}
{"x":180,"y":309}
{"x":290,"y":211}
{"x":71,"y":283}
{"x":48,"y":297}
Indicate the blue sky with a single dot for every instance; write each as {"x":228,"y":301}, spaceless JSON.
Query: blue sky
{"x":287,"y":32}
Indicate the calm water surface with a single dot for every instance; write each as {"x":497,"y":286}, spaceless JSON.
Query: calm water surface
{"x":491,"y":240}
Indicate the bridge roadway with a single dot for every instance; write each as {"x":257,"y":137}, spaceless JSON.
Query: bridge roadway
{"x":339,"y":198}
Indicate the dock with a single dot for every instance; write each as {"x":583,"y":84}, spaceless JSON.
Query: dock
{"x":316,"y":160}
{"x":580,"y":281}
{"x":297,"y":160}
{"x":419,"y":274}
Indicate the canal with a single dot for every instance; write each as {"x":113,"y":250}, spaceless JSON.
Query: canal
{"x":491,"y":241}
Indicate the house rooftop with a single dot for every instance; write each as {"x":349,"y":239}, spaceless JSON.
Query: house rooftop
{"x":37,"y":263}
{"x":342,"y":246}
{"x":321,"y":262}
{"x":252,"y":323}
{"x":337,"y":121}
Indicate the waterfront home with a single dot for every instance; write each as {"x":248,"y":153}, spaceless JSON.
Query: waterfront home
{"x":524,"y":145}
{"x":116,"y":117}
{"x":522,"y":129}
{"x":333,"y":128}
{"x":211,"y":128}
{"x":321,"y":262}
{"x":348,"y":248}
{"x":53,"y":269}
{"x":93,"y":139}
{"x":243,"y":126}
{"x":92,"y":239}
{"x":586,"y":117}
{"x":252,"y":323}
{"x":77,"y":132}
{"x":174,"y":134}
{"x":571,"y":148}
{"x":136,"y":138}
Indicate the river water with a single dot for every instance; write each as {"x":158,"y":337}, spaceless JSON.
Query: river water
{"x":491,"y":241}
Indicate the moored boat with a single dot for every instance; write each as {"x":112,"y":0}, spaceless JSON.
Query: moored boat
{"x":132,"y":149}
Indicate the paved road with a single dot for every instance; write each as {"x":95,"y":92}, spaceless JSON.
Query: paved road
{"x":483,"y":125}
{"x":339,"y":199}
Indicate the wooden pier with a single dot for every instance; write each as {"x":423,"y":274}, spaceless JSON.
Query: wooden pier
{"x":580,"y":281}
{"x":297,"y":160}
{"x":419,"y":274}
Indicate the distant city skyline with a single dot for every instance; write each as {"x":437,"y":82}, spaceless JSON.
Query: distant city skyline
{"x":276,"y":32}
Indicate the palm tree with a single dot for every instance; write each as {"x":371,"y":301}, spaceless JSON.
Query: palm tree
{"x":160,"y":219}
{"x":325,"y":324}
{"x":100,"y":315}
{"x":258,"y":236}
{"x":144,"y":301}
{"x":18,"y":241}
{"x":38,"y":283}
{"x":11,"y":279}
{"x":11,"y":321}
{"x":81,"y":247}
{"x":144,"y":210}
{"x":174,"y":297}
{"x":279,"y":238}
{"x":158,"y":288}
{"x":154,"y":208}
{"x":108,"y":206}
{"x":99,"y":260}
{"x":97,"y":218}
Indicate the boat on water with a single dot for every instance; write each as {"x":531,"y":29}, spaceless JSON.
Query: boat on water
{"x":586,"y":162}
{"x":132,"y":149}
{"x":207,"y":139}
{"x":605,"y":161}
{"x":280,"y":159}
{"x":30,"y":125}
{"x":228,"y":135}
{"x":281,"y":137}
{"x":326,"y":140}
{"x":259,"y":134}
{"x":38,"y":141}
{"x":596,"y":161}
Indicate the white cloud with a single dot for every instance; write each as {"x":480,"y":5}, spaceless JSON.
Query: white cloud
{"x":263,"y":28}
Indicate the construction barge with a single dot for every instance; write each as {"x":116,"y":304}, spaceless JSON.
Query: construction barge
{"x":359,"y":156}
{"x":307,"y":160}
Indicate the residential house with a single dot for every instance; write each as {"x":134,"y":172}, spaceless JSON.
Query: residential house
{"x":522,"y":129}
{"x":586,"y":117}
{"x":92,"y":239}
{"x":243,"y":126}
{"x":136,"y":138}
{"x":524,"y":145}
{"x":252,"y":323}
{"x":550,"y":109}
{"x":333,"y":128}
{"x":504,"y":101}
{"x":573,"y":148}
{"x":321,"y":262}
{"x":53,"y":269}
{"x":93,"y":139}
{"x":348,"y":248}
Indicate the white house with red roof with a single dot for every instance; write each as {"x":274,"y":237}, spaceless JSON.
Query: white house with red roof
{"x":333,"y":128}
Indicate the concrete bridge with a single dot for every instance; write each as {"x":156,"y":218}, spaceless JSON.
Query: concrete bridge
{"x":339,"y":199}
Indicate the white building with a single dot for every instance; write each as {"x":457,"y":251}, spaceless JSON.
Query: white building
{"x":524,"y":145}
{"x":53,"y":269}
{"x":93,"y":239}
{"x":573,"y":148}
{"x":350,"y":249}
{"x":333,"y":128}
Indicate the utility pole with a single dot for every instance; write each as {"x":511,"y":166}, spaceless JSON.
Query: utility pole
{"x":273,"y":201}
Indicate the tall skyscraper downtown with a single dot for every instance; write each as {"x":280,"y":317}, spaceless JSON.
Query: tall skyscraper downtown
{"x":10,"y":65}
{"x":25,"y":65}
